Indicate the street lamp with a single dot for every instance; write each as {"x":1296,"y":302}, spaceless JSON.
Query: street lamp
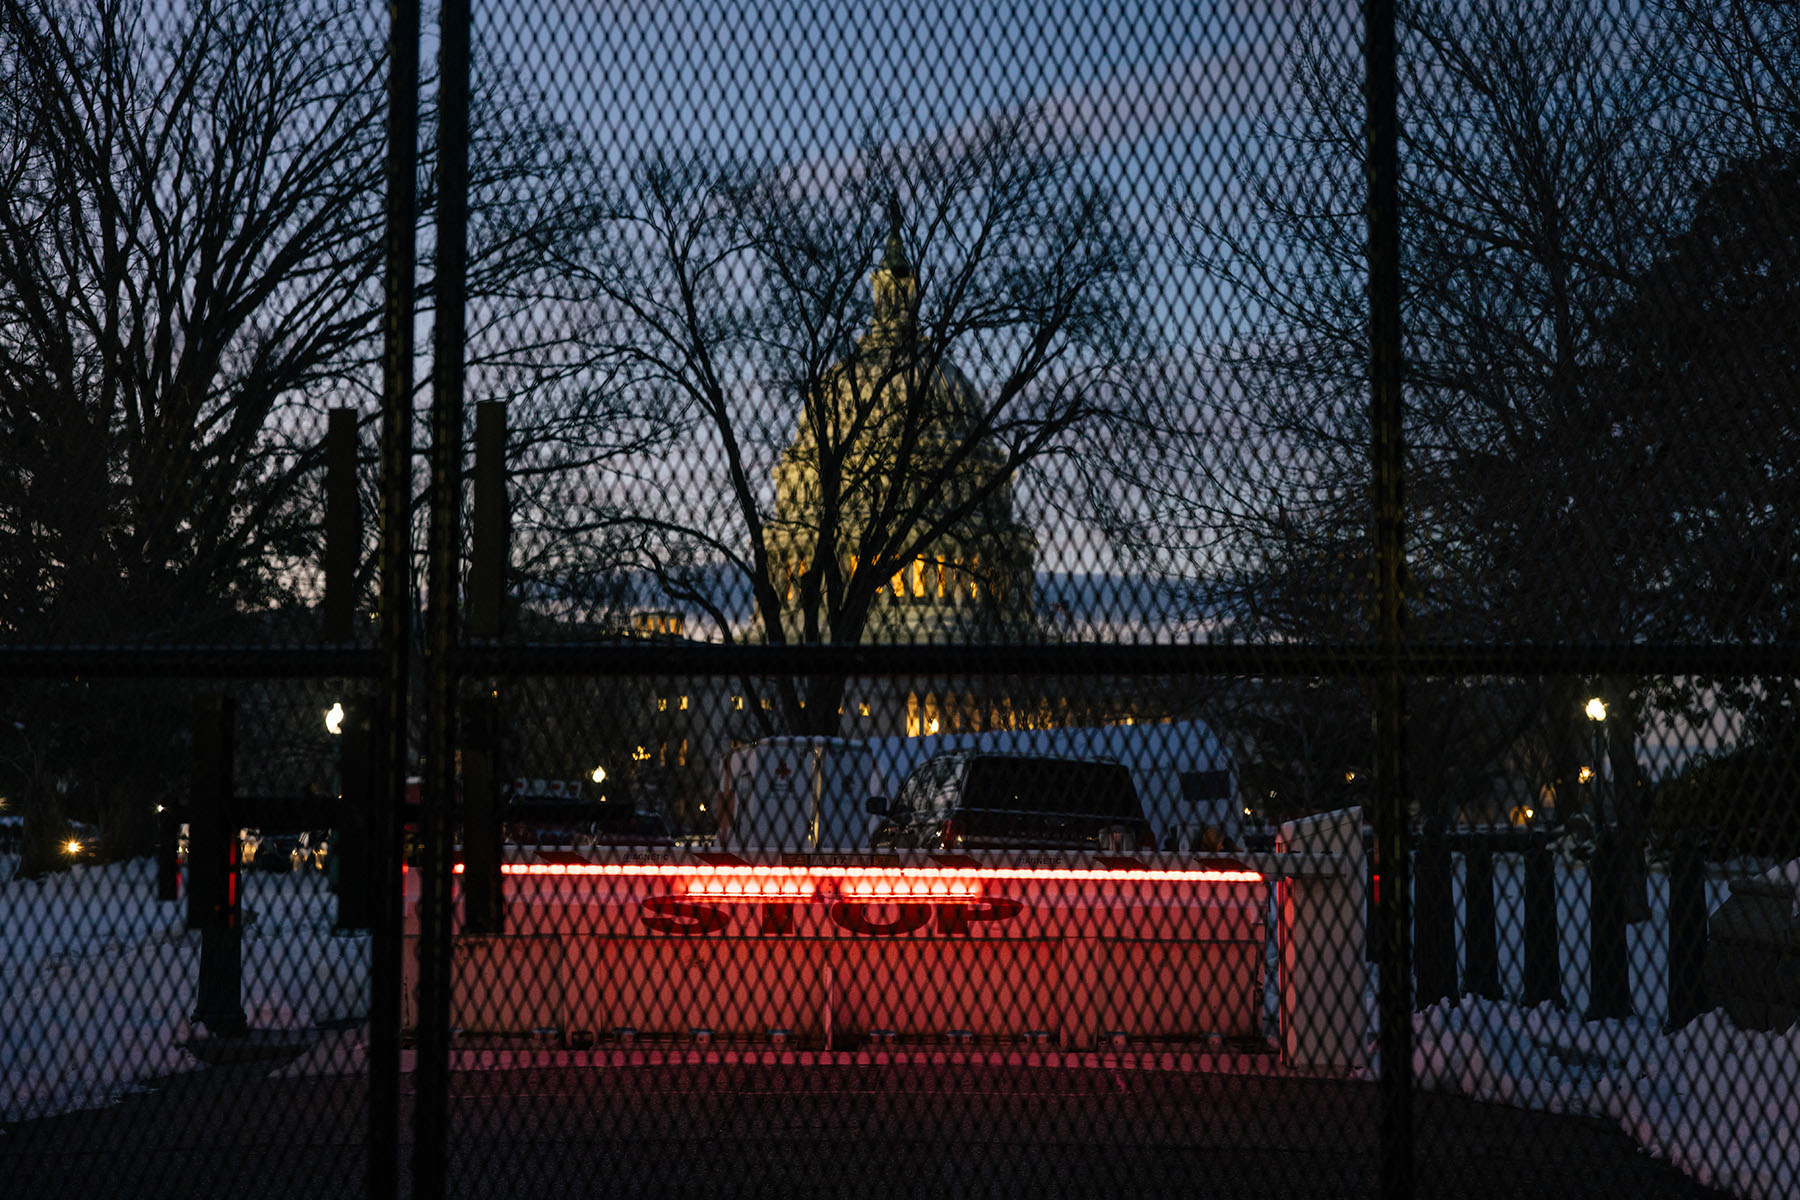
{"x":598,"y":775}
{"x":334,"y":719}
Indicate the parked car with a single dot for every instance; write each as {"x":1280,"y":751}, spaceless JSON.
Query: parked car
{"x":273,"y":853}
{"x":313,"y":850}
{"x":631,"y":827}
{"x":971,"y":800}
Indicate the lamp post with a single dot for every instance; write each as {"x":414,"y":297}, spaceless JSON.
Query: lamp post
{"x":1596,"y":715}
{"x":1609,"y":986}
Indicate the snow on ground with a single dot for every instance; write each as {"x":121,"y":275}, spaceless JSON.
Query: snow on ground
{"x":97,"y":983}
{"x":97,"y":978}
{"x":1721,"y":1104}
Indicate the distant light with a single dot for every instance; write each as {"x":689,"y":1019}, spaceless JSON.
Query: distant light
{"x":598,"y":775}
{"x":1349,"y":776}
{"x":1583,"y":775}
{"x":159,"y":808}
{"x":1596,"y":709}
{"x":334,"y":719}
{"x":703,"y":808}
{"x":72,"y":847}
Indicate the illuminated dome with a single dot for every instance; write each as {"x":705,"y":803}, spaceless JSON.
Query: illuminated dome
{"x":895,"y":395}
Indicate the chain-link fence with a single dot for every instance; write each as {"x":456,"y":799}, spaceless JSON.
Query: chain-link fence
{"x":908,"y":599}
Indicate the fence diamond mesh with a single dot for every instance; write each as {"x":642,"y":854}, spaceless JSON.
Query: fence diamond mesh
{"x":898,"y":599}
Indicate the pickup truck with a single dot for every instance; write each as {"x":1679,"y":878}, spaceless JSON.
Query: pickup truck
{"x":967,"y":799}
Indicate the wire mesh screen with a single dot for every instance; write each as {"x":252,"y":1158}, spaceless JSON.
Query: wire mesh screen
{"x":883,"y":665}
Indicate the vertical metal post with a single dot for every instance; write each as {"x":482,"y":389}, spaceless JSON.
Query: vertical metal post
{"x":1433,"y":919}
{"x":481,"y":881}
{"x":443,"y":558}
{"x":1609,"y":960}
{"x":343,"y":525}
{"x":1481,"y":958}
{"x":488,"y":538}
{"x":395,"y":603}
{"x":168,"y":868}
{"x":213,"y":872}
{"x":1687,"y":935}
{"x":357,"y":880}
{"x":1387,"y":459}
{"x":1543,"y":950}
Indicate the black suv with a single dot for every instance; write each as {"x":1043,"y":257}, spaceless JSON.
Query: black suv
{"x":974,"y":800}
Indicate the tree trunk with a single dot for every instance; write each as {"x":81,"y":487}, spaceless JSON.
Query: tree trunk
{"x":46,"y":829}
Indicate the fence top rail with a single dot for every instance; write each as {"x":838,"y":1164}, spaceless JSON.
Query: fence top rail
{"x":623,"y":658}
{"x":634,"y":657}
{"x":316,"y":661}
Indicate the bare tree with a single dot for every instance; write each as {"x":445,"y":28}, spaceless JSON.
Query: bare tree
{"x":190,"y":254}
{"x":836,"y":438}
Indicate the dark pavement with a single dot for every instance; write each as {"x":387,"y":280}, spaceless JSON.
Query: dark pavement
{"x":908,"y":1129}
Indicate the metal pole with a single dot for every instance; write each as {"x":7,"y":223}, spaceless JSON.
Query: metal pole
{"x":395,"y":604}
{"x":215,"y":870}
{"x":481,"y":886}
{"x":1543,"y":952}
{"x":443,"y":557}
{"x":1387,"y":457}
{"x":343,"y":525}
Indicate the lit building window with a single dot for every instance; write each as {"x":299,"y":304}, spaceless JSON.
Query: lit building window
{"x":662,"y":704}
{"x":918,"y":578}
{"x":737,"y":704}
{"x":683,"y":704}
{"x":912,"y":714}
{"x":862,"y":710}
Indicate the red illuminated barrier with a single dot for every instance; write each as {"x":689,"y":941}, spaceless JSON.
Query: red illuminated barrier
{"x":757,"y":883}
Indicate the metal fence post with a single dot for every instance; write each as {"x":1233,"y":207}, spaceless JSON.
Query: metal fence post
{"x":213,"y":871}
{"x":1687,"y":935}
{"x":1387,"y":459}
{"x":442,"y":571}
{"x":1609,"y":965}
{"x":168,"y":849}
{"x":343,"y":525}
{"x":1481,"y":952}
{"x":356,"y":880}
{"x":482,"y":893}
{"x":395,"y":604}
{"x":1543,"y":951}
{"x":1434,"y":921}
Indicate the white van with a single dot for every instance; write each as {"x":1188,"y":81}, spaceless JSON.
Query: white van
{"x":796,"y":793}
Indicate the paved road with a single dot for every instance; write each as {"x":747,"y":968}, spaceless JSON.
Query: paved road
{"x":723,"y":1129}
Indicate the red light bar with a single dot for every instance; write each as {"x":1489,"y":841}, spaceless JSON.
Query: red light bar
{"x":864,"y":882}
{"x":752,"y":883}
{"x":882,"y":883}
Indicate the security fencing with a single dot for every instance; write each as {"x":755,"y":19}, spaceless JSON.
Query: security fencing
{"x":898,"y":598}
